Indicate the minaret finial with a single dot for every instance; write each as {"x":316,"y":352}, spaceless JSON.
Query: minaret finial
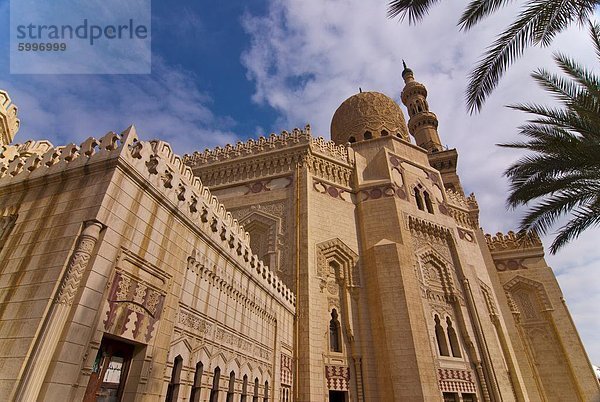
{"x":404,"y":64}
{"x":360,"y":90}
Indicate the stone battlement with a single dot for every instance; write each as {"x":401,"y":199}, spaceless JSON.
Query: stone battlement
{"x":456,"y":198}
{"x":512,"y":241}
{"x":9,"y":122}
{"x":266,"y":144}
{"x":157,"y":163}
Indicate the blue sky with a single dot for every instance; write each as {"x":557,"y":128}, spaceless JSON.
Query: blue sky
{"x":227,"y":71}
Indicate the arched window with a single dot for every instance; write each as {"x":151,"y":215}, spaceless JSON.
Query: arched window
{"x":255,"y":397}
{"x":244,"y":389}
{"x":453,"y":339}
{"x":352,"y":140}
{"x":173,"y":388}
{"x":266,"y":398}
{"x":419,"y":199}
{"x":214,"y":391}
{"x":428,"y":203}
{"x":440,"y":336}
{"x":384,"y":133}
{"x":197,"y":385}
{"x":231,"y":389}
{"x":335,"y":342}
{"x":368,"y":135}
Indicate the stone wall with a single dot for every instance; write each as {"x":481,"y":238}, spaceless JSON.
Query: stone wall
{"x":116,"y":239}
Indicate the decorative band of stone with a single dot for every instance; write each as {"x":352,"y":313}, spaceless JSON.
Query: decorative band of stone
{"x":266,"y":144}
{"x":78,"y":263}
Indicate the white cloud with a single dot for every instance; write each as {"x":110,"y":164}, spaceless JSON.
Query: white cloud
{"x":166,"y":105}
{"x":307,"y":56}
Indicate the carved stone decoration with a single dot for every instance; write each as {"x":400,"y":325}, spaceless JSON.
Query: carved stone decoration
{"x":377,"y":192}
{"x":77,"y":264}
{"x":287,"y":374}
{"x":193,"y":322}
{"x":438,"y":277}
{"x":466,"y":235}
{"x":134,"y":308}
{"x":456,"y":381}
{"x":331,"y":190}
{"x":512,"y":241}
{"x":520,"y":282}
{"x":510,"y":265}
{"x":335,"y":251}
{"x":269,"y":220}
{"x":427,"y":230}
{"x":489,"y":301}
{"x":333,"y":302}
{"x":338,"y":378}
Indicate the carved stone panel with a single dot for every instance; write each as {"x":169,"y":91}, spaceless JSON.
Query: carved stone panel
{"x":338,"y":378}
{"x":134,"y":308}
{"x":287,"y":375}
{"x":456,"y":381}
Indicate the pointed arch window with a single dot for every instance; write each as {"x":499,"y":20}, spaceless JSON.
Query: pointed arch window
{"x":352,"y":140}
{"x":231,"y":388}
{"x":419,"y":199}
{"x":197,"y":385}
{"x":384,"y":133}
{"x":173,"y":388}
{"x":255,"y":397}
{"x":335,"y":341}
{"x":428,"y":203}
{"x":214,"y":391}
{"x":368,"y":135}
{"x":266,"y":396}
{"x":454,"y":345}
{"x":440,"y":337}
{"x":244,"y":389}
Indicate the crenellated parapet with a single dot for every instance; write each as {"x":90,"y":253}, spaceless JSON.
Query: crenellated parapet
{"x":26,"y":149}
{"x":456,"y":198}
{"x":167,"y":174}
{"x":9,"y":122}
{"x":512,"y":241}
{"x":277,"y":155}
{"x":464,"y":210}
{"x":262,"y":145}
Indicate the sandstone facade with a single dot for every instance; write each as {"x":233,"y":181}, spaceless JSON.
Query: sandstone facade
{"x":352,"y":270}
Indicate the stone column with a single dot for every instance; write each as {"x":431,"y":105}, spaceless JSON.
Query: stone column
{"x":41,"y":356}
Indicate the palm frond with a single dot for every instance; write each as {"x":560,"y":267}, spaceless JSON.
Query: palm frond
{"x":538,"y":23}
{"x":415,"y":9}
{"x":583,"y":219}
{"x":477,"y":10}
{"x":594,"y":30}
{"x":543,"y":215}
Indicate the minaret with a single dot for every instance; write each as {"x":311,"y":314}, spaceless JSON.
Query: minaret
{"x":9,"y":123}
{"x":423,"y":123}
{"x":423,"y":126}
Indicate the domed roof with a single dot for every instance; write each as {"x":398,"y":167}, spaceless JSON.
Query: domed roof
{"x":372,"y":113}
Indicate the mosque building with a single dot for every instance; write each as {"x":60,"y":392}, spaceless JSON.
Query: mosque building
{"x":284,"y":268}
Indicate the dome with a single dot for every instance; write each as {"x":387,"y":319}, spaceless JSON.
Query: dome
{"x":367,"y":115}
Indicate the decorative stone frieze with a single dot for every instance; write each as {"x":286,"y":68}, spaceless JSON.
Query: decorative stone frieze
{"x":452,"y":380}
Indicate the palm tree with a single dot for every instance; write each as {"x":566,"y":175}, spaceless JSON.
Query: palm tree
{"x":561,"y":174}
{"x":537,"y":24}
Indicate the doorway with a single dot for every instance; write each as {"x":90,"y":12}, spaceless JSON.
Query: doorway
{"x":337,"y":396}
{"x":109,"y":373}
